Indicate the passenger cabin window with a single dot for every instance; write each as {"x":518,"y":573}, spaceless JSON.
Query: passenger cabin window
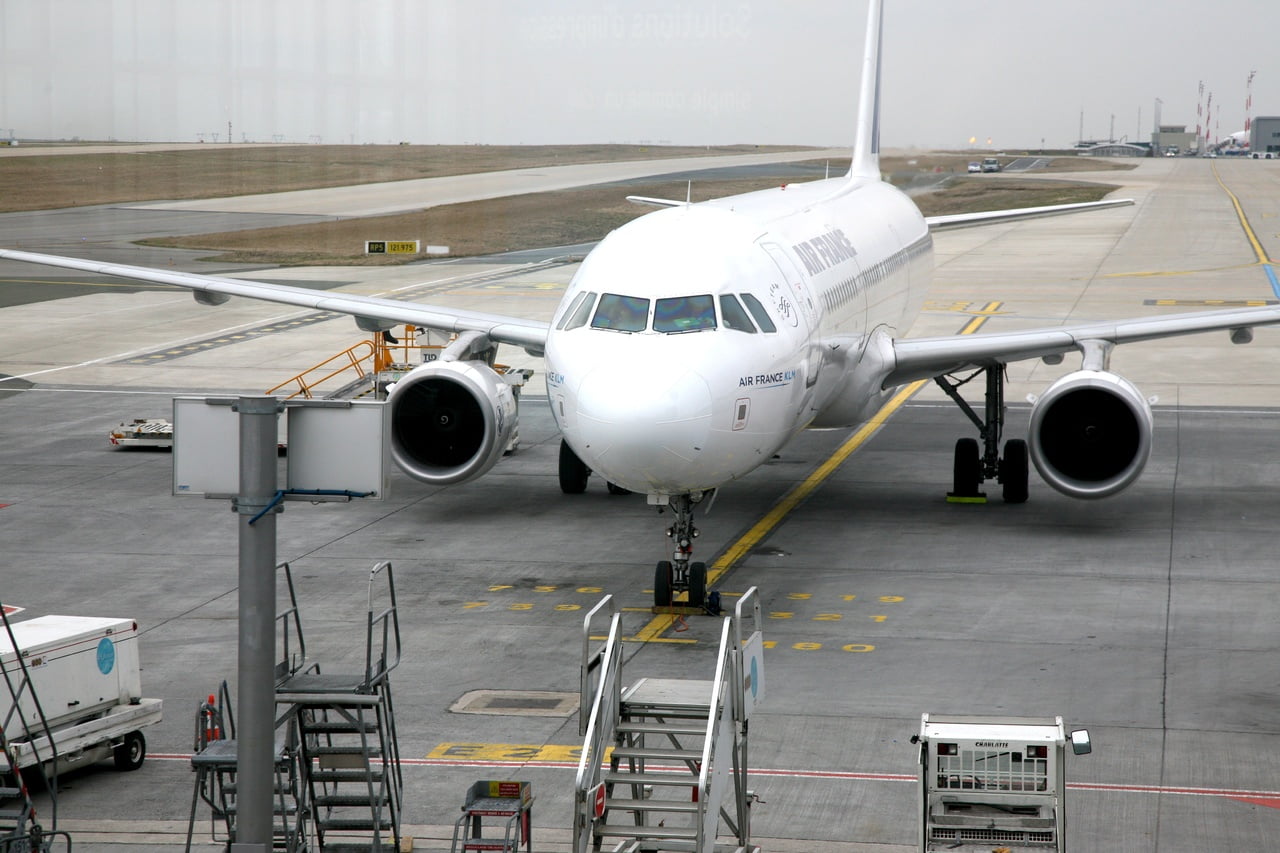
{"x":578,"y":317}
{"x":684,"y":314}
{"x":621,"y":313}
{"x":757,"y":311}
{"x":733,"y":316}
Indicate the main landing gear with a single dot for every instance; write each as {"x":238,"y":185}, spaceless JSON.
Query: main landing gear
{"x":679,"y":573}
{"x":574,"y":473}
{"x":975,"y":463}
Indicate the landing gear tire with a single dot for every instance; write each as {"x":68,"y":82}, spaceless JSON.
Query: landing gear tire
{"x":1013,"y":471}
{"x":967,"y":470}
{"x":573,"y":472}
{"x":662,"y":584}
{"x":698,"y":585}
{"x":130,"y":754}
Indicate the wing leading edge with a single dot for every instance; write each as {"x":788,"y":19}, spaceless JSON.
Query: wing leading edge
{"x":924,"y":358}
{"x":516,"y":331}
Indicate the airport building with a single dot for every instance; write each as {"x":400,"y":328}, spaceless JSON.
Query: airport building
{"x":1173,"y":136}
{"x":1115,"y":149}
{"x":1264,"y":135}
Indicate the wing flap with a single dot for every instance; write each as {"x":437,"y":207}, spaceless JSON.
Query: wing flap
{"x":529,"y":334}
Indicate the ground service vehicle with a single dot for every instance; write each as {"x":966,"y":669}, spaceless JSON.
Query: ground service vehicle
{"x":993,"y":782}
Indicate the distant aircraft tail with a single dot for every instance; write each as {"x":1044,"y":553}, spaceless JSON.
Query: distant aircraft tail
{"x":866,"y":146}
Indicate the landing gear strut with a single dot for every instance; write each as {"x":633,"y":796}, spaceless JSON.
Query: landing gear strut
{"x":679,"y":573}
{"x":974,"y":464}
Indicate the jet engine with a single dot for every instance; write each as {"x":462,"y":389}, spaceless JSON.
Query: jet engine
{"x":450,"y":421}
{"x":1090,"y":434}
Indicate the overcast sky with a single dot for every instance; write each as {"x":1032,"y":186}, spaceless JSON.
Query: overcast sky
{"x":571,"y":71}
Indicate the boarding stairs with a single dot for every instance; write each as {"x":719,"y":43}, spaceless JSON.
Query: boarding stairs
{"x":664,"y":761}
{"x":348,"y":753}
{"x":20,"y":830}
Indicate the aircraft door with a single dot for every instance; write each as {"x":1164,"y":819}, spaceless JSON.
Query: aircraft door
{"x":797,"y":288}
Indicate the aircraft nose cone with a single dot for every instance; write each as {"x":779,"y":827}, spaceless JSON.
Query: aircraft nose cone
{"x":654,"y":423}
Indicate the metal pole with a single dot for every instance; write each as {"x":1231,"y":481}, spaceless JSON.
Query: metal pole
{"x":255,"y":732}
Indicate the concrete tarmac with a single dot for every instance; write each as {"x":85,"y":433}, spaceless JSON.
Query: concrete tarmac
{"x":1145,"y":618}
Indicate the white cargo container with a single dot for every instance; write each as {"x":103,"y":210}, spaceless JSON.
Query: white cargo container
{"x":84,"y":673}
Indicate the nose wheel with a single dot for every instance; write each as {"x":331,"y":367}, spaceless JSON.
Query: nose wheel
{"x":680,"y":573}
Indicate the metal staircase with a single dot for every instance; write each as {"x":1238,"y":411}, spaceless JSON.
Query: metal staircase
{"x":664,"y":761}
{"x":348,"y":753}
{"x":20,"y":831}
{"x":214,"y":757}
{"x":337,"y":781}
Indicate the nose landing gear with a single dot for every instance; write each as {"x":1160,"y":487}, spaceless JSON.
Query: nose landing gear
{"x":680,"y":573}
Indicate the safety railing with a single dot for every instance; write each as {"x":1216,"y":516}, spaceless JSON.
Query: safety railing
{"x":713,"y":775}
{"x":290,"y":643}
{"x":309,"y":380}
{"x":383,"y":629}
{"x":30,"y":725}
{"x":601,"y":681}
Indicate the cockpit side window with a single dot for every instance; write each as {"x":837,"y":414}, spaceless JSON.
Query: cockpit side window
{"x":578,"y":316}
{"x":573,"y":307}
{"x":757,"y":311}
{"x":684,"y":314}
{"x":621,"y":313}
{"x":733,"y":315}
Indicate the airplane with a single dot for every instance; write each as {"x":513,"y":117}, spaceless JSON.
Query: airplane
{"x":695,"y":341}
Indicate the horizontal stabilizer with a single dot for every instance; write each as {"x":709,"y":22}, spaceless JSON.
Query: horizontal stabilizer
{"x":655,"y":202}
{"x":987,"y":217}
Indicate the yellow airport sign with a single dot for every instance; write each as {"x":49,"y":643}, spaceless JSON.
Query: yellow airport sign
{"x":391,"y":247}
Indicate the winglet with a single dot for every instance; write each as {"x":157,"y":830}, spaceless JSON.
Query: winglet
{"x":866,"y":147}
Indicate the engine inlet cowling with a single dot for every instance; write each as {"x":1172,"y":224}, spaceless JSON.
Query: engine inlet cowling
{"x":1090,"y":434}
{"x":450,"y":421}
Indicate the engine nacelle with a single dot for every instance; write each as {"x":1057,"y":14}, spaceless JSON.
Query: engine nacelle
{"x":1090,"y":434}
{"x":450,"y":421}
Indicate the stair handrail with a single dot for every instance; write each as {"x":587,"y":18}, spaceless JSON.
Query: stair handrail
{"x":591,"y":661}
{"x":602,"y":722}
{"x":289,"y":626}
{"x":720,"y":686}
{"x":753,"y":641}
{"x":51,"y":782}
{"x":387,"y":622}
{"x":353,"y":363}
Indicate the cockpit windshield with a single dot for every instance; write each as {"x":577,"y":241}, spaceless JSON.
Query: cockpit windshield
{"x":671,"y":315}
{"x":621,"y":313}
{"x":684,"y":314}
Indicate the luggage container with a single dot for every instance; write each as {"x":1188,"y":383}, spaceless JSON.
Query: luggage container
{"x":82,"y":676}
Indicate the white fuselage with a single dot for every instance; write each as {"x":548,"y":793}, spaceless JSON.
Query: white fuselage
{"x":694,"y":342}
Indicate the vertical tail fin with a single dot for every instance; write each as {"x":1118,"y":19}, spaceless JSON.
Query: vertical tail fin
{"x":866,"y":147}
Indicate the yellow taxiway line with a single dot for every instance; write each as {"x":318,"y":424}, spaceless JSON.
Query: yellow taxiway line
{"x":736,"y":552}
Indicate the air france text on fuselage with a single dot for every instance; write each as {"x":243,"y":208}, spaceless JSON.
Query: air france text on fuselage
{"x":767,"y":380}
{"x":825,"y":251}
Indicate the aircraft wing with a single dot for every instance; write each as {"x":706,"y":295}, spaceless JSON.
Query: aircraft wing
{"x":529,"y":334}
{"x":924,"y":358}
{"x":987,"y":217}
